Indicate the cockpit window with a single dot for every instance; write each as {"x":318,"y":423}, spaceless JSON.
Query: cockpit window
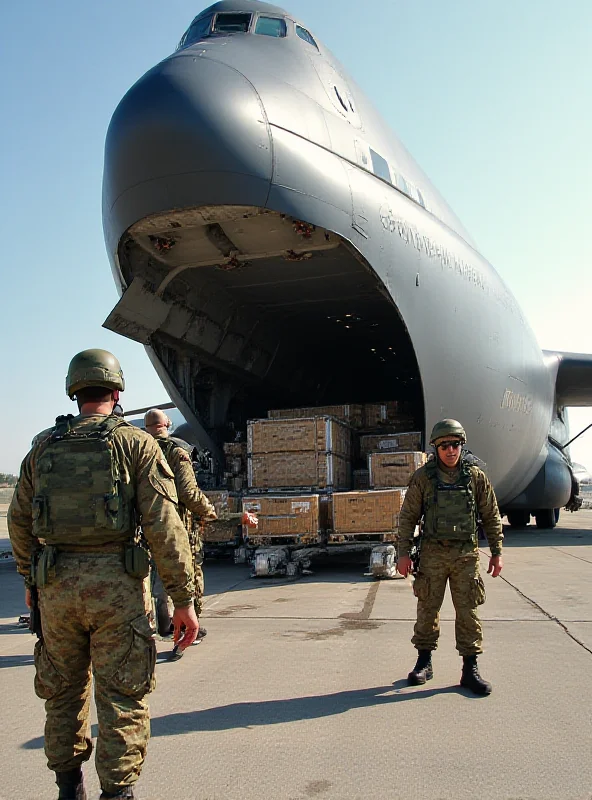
{"x":270,"y":26}
{"x":305,"y":35}
{"x":232,"y":23}
{"x":197,"y":30}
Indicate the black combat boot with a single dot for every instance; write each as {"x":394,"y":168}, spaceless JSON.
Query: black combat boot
{"x":124,"y":793}
{"x":422,"y":671}
{"x":471,"y":679}
{"x":71,"y":785}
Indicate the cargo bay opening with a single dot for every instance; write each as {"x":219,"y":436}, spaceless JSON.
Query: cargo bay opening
{"x":245,"y":310}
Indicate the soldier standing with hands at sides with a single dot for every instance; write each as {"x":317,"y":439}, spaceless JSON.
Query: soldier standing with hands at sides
{"x":194,"y":507}
{"x":448,"y":495}
{"x":83,"y":489}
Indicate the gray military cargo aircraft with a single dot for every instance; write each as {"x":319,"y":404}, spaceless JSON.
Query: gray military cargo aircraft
{"x":275,"y":245}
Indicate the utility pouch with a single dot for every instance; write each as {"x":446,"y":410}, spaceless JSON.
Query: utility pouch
{"x":136,"y":561}
{"x":46,"y":562}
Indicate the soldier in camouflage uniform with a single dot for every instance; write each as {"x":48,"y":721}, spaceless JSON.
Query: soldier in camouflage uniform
{"x":194,"y":507}
{"x":448,"y":495}
{"x":82,"y":490}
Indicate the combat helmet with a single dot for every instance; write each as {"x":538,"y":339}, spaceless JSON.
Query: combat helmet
{"x":94,"y":368}
{"x":448,"y":427}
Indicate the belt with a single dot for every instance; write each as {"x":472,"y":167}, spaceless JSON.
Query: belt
{"x":91,"y":548}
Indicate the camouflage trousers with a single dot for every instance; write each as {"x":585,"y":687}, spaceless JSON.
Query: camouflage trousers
{"x":458,"y":564}
{"x":93,"y":615}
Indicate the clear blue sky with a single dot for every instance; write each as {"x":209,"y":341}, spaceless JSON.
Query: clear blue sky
{"x":492,"y":99}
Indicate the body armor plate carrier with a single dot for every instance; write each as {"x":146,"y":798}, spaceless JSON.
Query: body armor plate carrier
{"x":451,"y":513}
{"x":80,"y":496}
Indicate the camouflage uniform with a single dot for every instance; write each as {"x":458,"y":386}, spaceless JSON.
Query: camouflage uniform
{"x":445,"y":559}
{"x":93,"y":611}
{"x":194,"y":507}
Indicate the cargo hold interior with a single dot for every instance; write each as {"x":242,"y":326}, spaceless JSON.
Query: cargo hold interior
{"x":257,"y":310}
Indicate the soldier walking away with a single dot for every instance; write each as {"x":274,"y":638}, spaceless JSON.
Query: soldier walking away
{"x":83,"y":489}
{"x":448,"y":495}
{"x":195,"y":510}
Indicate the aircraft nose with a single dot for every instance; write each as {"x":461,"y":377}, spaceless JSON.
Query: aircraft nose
{"x":191,"y":132}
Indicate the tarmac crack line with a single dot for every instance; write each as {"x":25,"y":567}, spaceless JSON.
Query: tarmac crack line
{"x":579,"y":558}
{"x":549,"y":616}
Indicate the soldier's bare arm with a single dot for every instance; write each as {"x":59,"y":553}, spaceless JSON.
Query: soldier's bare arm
{"x":20,"y":520}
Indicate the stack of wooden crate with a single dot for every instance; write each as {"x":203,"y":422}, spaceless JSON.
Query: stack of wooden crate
{"x":290,"y":454}
{"x":298,"y":466}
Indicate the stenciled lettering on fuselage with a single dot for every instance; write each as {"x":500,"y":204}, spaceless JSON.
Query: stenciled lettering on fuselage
{"x":422,"y":243}
{"x":513,"y":401}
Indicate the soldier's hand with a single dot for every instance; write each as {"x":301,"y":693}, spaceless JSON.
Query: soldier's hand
{"x":404,"y":566}
{"x":496,"y":564}
{"x":186,"y":626}
{"x":250,"y":520}
{"x":28,"y":601}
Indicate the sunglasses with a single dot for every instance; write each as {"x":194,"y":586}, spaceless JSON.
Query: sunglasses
{"x":446,"y":445}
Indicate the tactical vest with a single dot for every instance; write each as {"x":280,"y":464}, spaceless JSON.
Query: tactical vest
{"x":80,"y":496}
{"x":450,"y":512}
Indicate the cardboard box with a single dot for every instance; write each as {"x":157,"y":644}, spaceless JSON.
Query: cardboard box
{"x":293,"y":516}
{"x":351,"y":413}
{"x":390,"y":442}
{"x":312,"y":434}
{"x":393,"y":469}
{"x":299,"y":469}
{"x":367,"y":512}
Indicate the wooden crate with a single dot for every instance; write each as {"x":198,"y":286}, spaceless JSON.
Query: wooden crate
{"x":299,"y":470}
{"x":224,"y":531}
{"x":367,"y":512}
{"x":388,"y":412}
{"x":390,"y":442}
{"x":294,"y":518}
{"x":312,"y":434}
{"x":393,"y":469}
{"x":351,"y":413}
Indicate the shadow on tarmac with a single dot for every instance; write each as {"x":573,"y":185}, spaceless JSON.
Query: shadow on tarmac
{"x":533,"y":537}
{"x":274,"y":712}
{"x":16,"y":661}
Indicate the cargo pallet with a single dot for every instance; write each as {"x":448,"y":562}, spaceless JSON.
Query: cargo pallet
{"x":344,"y":538}
{"x":281,"y":540}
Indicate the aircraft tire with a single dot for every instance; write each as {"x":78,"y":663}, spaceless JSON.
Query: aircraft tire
{"x":518,"y":519}
{"x":545,"y":518}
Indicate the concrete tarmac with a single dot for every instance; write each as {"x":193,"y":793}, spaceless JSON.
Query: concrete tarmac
{"x":299,"y":689}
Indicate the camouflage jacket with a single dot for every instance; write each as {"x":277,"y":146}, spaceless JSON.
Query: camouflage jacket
{"x":189,"y":494}
{"x":150,"y":485}
{"x":421,"y":488}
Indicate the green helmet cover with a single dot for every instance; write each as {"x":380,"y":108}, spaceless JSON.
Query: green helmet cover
{"x":448,"y":427}
{"x":94,"y":368}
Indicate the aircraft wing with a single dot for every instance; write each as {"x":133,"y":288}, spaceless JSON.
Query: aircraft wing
{"x":573,"y":381}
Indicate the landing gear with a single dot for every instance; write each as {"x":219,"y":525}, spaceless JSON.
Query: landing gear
{"x":546,"y":517}
{"x":518,"y":519}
